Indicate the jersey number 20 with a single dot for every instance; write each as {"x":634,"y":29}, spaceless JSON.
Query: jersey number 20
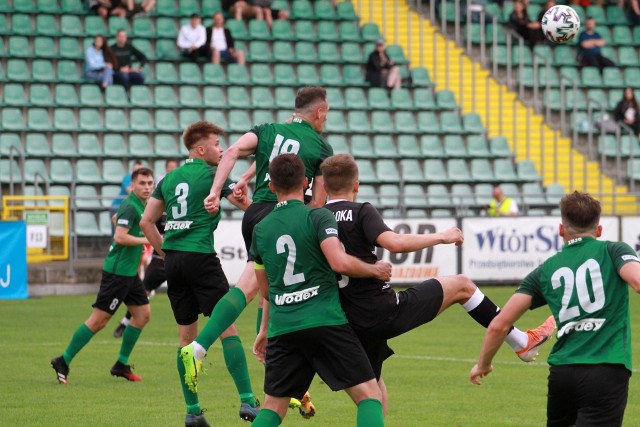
{"x":283,"y":243}
{"x":579,"y":281}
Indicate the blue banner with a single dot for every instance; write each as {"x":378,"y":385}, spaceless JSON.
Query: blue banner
{"x":13,"y":260}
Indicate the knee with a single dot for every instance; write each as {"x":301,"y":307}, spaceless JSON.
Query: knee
{"x":141,"y":318}
{"x":464,"y":286}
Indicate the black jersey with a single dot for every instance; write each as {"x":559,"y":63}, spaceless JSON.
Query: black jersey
{"x":365,"y":301}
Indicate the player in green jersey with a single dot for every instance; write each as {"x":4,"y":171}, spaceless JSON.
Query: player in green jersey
{"x":300,"y":137}
{"x":195,"y":278}
{"x":296,"y":251}
{"x":120,"y":283}
{"x":585,"y":286}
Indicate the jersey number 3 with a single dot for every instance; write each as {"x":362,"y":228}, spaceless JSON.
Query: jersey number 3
{"x":283,"y":243}
{"x":182,"y":191}
{"x":579,"y":281}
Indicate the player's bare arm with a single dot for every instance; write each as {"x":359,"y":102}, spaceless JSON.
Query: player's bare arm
{"x":243,"y":147}
{"x":318,"y":193}
{"x":517,"y":305}
{"x":123,"y":238}
{"x":343,"y":263}
{"x":630,"y":273}
{"x":152,"y":213}
{"x":400,"y":243}
{"x":241,"y":188}
{"x":242,"y":202}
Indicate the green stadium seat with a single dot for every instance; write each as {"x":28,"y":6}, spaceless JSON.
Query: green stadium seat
{"x":304,"y":31}
{"x":262,"y":116}
{"x":167,"y":8}
{"x":361,"y":147}
{"x":261,"y":97}
{"x":339,"y":144}
{"x":420,"y":77}
{"x":627,"y":56}
{"x":472,"y":123}
{"x":302,"y":9}
{"x":307,"y":74}
{"x":238,"y":29}
{"x":438,"y":196}
{"x":67,"y":72}
{"x":622,"y":35}
{"x":450,"y":122}
{"x":165,"y":49}
{"x":261,"y":74}
{"x":482,"y":194}
{"x":504,"y":171}
{"x":39,"y":95}
{"x":188,"y":7}
{"x":116,"y":121}
{"x":35,"y":171}
{"x":143,"y":27}
{"x":38,"y":119}
{"x":324,"y":10}
{"x":87,"y":172}
{"x":527,"y":171}
{"x":633,"y":169}
{"x":384,"y":148}
{"x":563,"y":56}
{"x":86,"y":197}
{"x":631,"y":76}
{"x":370,"y":32}
{"x":165,"y":27}
{"x":378,"y":99}
{"x":282,"y":30}
{"x":457,"y":170}
{"x":66,"y":95}
{"x":14,"y":95}
{"x":190,"y":97}
{"x":12,"y":119}
{"x":415,"y":196}
{"x":69,"y":48}
{"x":114,"y":146}
{"x":62,"y":172}
{"x":525,"y":76}
{"x":70,"y":25}
{"x":396,"y":54}
{"x":351,"y":53}
{"x":283,"y":52}
{"x":401,"y":99}
{"x":86,"y":225}
{"x":72,"y":7}
{"x":591,"y":77}
{"x":37,"y":145}
{"x":94,"y":26}
{"x":349,"y":31}
{"x":446,"y":100}
{"x":214,"y":97}
{"x":22,"y":24}
{"x":238,"y":75}
{"x":258,"y":30}
{"x":434,"y":171}
{"x":284,"y":97}
{"x":166,"y":73}
{"x":217,"y":117}
{"x":238,"y":97}
{"x":636,"y":35}
{"x":346,"y":11}
{"x":387,"y":171}
{"x":165,"y":146}
{"x":477,"y":146}
{"x":612,"y":77}
{"x":115,"y":96}
{"x":259,"y":52}
{"x":424,"y":100}
{"x":408,"y":147}
{"x":89,"y":146}
{"x":404,"y":122}
{"x":521,"y":55}
{"x":239,"y":121}
{"x":481,"y":171}
{"x":499,"y":147}
{"x":284,"y":75}
{"x":608,"y":146}
{"x":112,"y":171}
{"x":165,"y":97}
{"x":62,"y":145}
{"x":335,"y":122}
{"x":366,"y":170}
{"x":5,"y":28}
{"x":90,"y":120}
{"x":454,"y":146}
{"x":19,"y":47}
{"x":17,"y":70}
{"x":190,"y":74}
{"x":616,"y":16}
{"x":48,"y":6}
{"x":327,"y":32}
{"x":214,"y":74}
{"x":533,"y":195}
{"x":353,"y":75}
{"x":629,"y":146}
{"x":571,"y":73}
{"x":554,"y":193}
{"x":305,"y":52}
{"x":330,"y":75}
{"x":389,"y":194}
{"x":359,"y":122}
{"x":165,"y":121}
{"x":140,"y":147}
{"x":141,"y":96}
{"x":9,"y":171}
{"x":10,"y":144}
{"x":355,"y":98}
{"x":428,"y":123}
{"x":462,"y":195}
{"x":44,"y":47}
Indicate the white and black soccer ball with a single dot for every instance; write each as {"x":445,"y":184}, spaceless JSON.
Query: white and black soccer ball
{"x":560,"y":24}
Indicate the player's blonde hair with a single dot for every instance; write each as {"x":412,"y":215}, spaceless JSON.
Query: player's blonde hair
{"x":198,"y":131}
{"x":339,"y":172}
{"x":580,"y":212}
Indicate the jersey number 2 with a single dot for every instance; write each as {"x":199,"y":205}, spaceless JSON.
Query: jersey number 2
{"x":579,"y":280}
{"x":182,"y":190}
{"x":283,"y":243}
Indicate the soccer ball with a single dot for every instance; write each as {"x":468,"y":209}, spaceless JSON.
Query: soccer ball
{"x":560,"y":24}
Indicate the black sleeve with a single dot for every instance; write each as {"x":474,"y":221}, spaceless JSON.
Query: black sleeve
{"x":231,"y":43}
{"x":139,"y":55}
{"x":209,"y":33}
{"x":371,"y":223}
{"x":374,"y":63}
{"x":619,"y":111}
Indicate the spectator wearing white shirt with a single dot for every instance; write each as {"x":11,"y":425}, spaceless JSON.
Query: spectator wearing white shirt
{"x":221,"y":43}
{"x":192,"y":39}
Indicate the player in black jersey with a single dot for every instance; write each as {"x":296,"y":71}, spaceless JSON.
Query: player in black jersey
{"x":375,"y":311}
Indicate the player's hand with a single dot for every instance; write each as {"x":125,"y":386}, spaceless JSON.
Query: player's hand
{"x":260,"y":346}
{"x":383,"y":271}
{"x":478,"y":372}
{"x":212,"y":203}
{"x":240,"y":190}
{"x":453,"y":235}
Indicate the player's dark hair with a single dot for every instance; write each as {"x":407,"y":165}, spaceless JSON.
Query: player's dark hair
{"x":198,"y":131}
{"x":287,"y":172}
{"x":339,"y":173}
{"x":580,"y":212}
{"x":309,"y":95}
{"x":142,"y":171}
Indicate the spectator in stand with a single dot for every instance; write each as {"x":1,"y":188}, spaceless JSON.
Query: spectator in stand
{"x":547,"y":5}
{"x":519,"y":20}
{"x":125,"y":74}
{"x":137,"y":9}
{"x":192,"y":39}
{"x":106,"y":8}
{"x":382,"y":71}
{"x":627,"y":111}
{"x":238,"y":9}
{"x":221,"y":43}
{"x":590,"y":44}
{"x":502,"y":205}
{"x":99,"y":61}
{"x":631,"y":9}
{"x":262,"y":11}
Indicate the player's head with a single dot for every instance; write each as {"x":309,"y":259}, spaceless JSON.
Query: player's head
{"x":287,"y":174}
{"x":340,"y":174}
{"x":218,"y":19}
{"x":170,"y":165}
{"x":202,"y":139}
{"x":590,"y":23}
{"x":312,"y":106}
{"x":142,"y":182}
{"x":580,"y":215}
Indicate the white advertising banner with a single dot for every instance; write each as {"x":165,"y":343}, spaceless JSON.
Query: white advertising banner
{"x":507,"y":249}
{"x":631,"y":232}
{"x":407,"y":268}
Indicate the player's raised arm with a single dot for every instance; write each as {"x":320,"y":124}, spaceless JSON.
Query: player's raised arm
{"x":343,"y":263}
{"x":152,"y":213}
{"x":399,"y":243}
{"x":318,"y":192}
{"x":243,"y":147}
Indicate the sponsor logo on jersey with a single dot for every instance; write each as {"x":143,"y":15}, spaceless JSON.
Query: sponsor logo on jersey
{"x":346,"y":215}
{"x":296,"y":297}
{"x":630,"y":257}
{"x":281,"y":204}
{"x":331,"y":231}
{"x":584,"y":325}
{"x":123,"y":221}
{"x":177,"y":225}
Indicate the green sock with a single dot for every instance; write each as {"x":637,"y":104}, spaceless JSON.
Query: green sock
{"x":259,"y":320}
{"x":80,"y":338}
{"x":223,"y":315}
{"x":267,"y":418}
{"x":370,"y":413}
{"x":129,"y":338}
{"x":190,"y":398}
{"x":236,"y":362}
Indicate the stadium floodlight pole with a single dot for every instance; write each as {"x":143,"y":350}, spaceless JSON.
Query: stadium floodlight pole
{"x":483,"y":40}
{"x":396,"y":24}
{"x":500,"y":108}
{"x":494,"y":44}
{"x":542,"y":151}
{"x":370,"y":10}
{"x":457,"y":21}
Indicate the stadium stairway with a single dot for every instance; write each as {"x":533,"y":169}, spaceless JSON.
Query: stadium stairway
{"x":450,"y":59}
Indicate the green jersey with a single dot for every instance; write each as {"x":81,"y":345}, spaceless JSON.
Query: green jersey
{"x":303,"y":290}
{"x":189,"y":226}
{"x":125,"y":260}
{"x":297,"y":137}
{"x":588,"y":299}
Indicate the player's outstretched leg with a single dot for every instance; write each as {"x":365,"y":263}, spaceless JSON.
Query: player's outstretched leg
{"x":537,"y":337}
{"x":194,"y":415}
{"x":236,"y":362}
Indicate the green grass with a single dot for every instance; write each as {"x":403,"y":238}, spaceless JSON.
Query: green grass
{"x":427,"y":379}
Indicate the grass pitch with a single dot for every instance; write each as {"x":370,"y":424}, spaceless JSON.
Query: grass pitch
{"x":427,"y":379}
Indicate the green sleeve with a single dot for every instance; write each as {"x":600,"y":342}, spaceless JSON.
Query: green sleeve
{"x":324,"y":223}
{"x":326,"y":151}
{"x":253,"y":251}
{"x":621,"y":253}
{"x":157,"y":192}
{"x":531,"y":286}
{"x":227,"y":188}
{"x":127,"y":216}
{"x":258,"y":129}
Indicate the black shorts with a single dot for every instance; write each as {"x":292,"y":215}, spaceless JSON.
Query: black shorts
{"x":417,"y":305}
{"x":333,"y":352}
{"x":155,"y":275}
{"x":115,"y":289}
{"x":593,"y":395}
{"x":195,"y":284}
{"x":252,"y":216}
